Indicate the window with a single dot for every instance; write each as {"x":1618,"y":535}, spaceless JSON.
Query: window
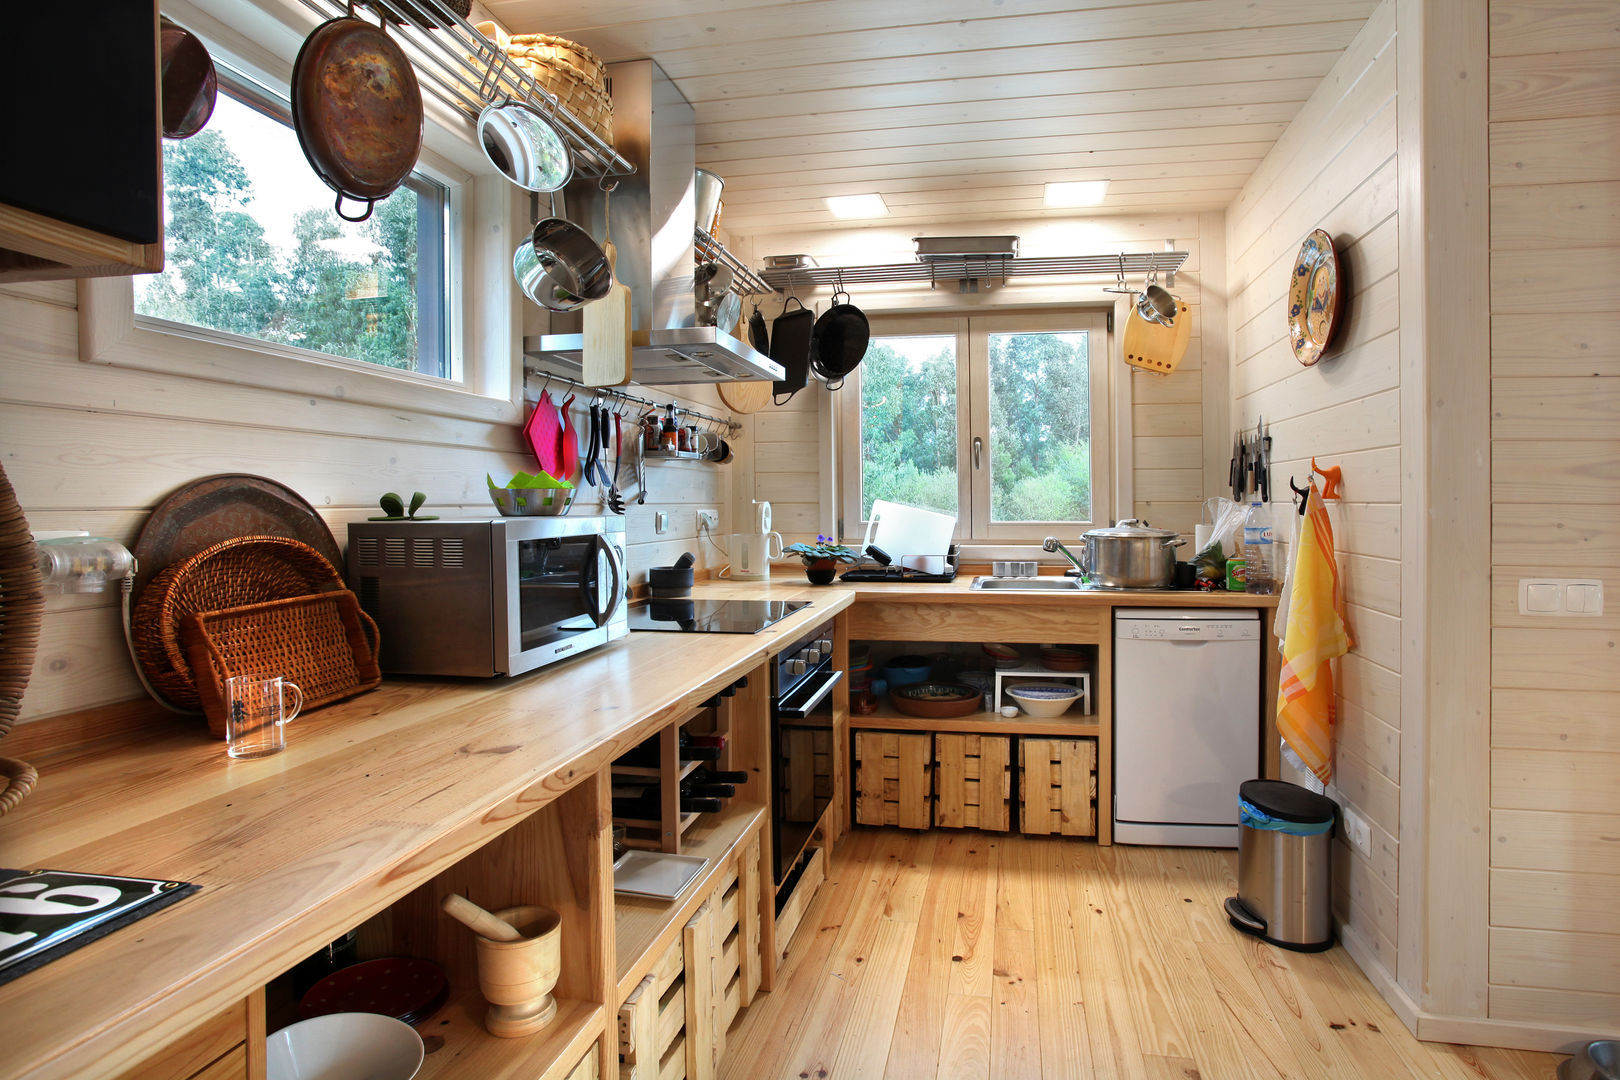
{"x":1000,"y":420}
{"x":254,"y":247}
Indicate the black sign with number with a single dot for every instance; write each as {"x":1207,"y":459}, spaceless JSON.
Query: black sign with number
{"x":48,"y":913}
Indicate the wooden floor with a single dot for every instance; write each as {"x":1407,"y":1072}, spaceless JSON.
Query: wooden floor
{"x":946,"y":954}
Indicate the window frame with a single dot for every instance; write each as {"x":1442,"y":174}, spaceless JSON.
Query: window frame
{"x":482,"y":315}
{"x":972,"y":332}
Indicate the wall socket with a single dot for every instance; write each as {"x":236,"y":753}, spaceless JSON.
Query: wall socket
{"x":660,"y":522}
{"x":1357,"y":831}
{"x":708,"y":519}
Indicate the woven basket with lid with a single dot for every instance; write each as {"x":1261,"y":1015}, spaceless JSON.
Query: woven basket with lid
{"x":243,"y":570}
{"x":570,"y":72}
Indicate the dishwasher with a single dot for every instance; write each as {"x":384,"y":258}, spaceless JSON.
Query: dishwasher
{"x":1186,"y":723}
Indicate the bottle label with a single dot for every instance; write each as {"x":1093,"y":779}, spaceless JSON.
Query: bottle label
{"x":1257,"y":534}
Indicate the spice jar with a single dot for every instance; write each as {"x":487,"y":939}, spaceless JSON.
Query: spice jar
{"x":670,"y":437}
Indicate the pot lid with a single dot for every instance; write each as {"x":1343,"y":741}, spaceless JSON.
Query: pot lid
{"x":1133,"y":527}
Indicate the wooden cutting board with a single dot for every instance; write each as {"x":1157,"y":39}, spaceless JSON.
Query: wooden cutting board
{"x":745,"y":397}
{"x":1156,"y":348}
{"x":607,"y":333}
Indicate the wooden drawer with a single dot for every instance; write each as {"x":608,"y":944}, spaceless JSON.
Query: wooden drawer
{"x":652,"y":1022}
{"x":893,"y":779}
{"x":972,"y":781}
{"x":979,"y":619}
{"x":211,"y":1045}
{"x":587,"y":1068}
{"x":1057,"y":784}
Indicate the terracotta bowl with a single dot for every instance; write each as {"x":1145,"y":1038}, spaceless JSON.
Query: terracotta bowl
{"x":936,"y":701}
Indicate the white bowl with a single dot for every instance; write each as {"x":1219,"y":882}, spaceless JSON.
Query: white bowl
{"x":1043,"y":700}
{"x":345,"y":1046}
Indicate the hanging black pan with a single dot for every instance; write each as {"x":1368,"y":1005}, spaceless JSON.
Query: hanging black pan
{"x":790,"y":347}
{"x":839,"y":341}
{"x":357,"y":109}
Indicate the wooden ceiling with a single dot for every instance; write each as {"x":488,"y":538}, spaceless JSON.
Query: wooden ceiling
{"x":960,"y":110}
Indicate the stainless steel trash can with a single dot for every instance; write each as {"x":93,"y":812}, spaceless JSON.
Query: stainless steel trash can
{"x":1285,"y":842}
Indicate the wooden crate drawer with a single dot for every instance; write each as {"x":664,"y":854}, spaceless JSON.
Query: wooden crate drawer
{"x":652,"y":1021}
{"x":1057,"y":784}
{"x":586,"y":1069}
{"x":972,"y":781}
{"x":893,"y":779}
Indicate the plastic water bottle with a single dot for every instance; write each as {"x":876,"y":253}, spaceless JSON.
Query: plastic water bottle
{"x":1259,"y":551}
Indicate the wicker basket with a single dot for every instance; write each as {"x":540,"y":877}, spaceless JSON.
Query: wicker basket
{"x":569,"y":71}
{"x":246,"y":570}
{"x":22,"y":611}
{"x":324,"y":643}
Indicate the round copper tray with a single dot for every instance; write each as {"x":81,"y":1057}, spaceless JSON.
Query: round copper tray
{"x":223,"y":507}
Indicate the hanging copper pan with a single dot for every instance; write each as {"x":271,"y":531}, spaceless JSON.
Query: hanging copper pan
{"x":357,"y":108}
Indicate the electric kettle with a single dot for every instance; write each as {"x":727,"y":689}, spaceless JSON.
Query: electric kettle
{"x":752,"y":552}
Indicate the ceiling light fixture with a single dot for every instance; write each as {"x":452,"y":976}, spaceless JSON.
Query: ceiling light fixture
{"x":857,"y":206}
{"x":1076,"y":193}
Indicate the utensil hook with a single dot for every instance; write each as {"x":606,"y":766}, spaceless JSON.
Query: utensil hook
{"x":1303,"y":494}
{"x":1120,"y":276}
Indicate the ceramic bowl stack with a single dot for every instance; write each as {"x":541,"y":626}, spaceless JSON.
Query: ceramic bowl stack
{"x":1043,"y":699}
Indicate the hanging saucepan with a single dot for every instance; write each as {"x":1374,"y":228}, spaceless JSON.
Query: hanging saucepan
{"x":839,"y":341}
{"x":357,"y":109}
{"x":560,"y":267}
{"x":525,"y":146}
{"x":190,"y":83}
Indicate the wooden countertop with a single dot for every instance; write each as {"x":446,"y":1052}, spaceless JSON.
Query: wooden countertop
{"x":371,"y":798}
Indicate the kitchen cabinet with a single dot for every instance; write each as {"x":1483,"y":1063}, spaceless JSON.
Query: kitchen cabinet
{"x":894,"y":779}
{"x":89,"y":200}
{"x":1057,"y":787}
{"x":227,"y":1046}
{"x":973,"y":781}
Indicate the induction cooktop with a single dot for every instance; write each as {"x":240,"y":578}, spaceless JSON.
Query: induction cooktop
{"x":712,"y":616}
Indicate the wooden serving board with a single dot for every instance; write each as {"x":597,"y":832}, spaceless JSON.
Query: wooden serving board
{"x":606,"y":361}
{"x":745,"y":397}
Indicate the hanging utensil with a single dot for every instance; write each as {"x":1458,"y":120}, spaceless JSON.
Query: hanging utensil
{"x":615,"y":497}
{"x":525,"y":146}
{"x":542,"y":432}
{"x":758,"y":336}
{"x":569,"y":441}
{"x":839,"y":340}
{"x":560,"y":267}
{"x":790,"y":347}
{"x":190,"y":83}
{"x":357,"y":110}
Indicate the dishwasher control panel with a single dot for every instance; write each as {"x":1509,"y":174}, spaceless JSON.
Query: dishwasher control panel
{"x":1177,"y":624}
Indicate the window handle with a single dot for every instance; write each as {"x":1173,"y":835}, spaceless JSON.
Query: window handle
{"x":978,"y":448}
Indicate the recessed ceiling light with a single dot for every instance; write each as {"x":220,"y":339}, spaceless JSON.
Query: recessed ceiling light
{"x":1076,"y":193}
{"x":857,"y":206}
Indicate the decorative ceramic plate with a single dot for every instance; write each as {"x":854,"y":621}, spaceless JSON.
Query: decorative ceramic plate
{"x":1313,"y":298}
{"x":936,"y":700}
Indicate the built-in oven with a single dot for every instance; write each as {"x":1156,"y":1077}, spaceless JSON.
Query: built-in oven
{"x":802,"y":682}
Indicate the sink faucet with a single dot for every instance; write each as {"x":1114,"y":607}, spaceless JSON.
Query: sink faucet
{"x":1052,"y":543}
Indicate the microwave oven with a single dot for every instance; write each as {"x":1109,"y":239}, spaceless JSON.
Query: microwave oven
{"x":487,"y":597}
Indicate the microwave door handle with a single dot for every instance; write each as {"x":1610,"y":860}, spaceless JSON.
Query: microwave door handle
{"x":588,"y":580}
{"x":616,"y":596}
{"x":798,"y":711}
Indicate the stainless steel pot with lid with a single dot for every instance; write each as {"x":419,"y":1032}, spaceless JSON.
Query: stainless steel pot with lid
{"x":1130,"y":555}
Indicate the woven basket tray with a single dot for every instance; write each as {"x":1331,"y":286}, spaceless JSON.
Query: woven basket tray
{"x":586,"y":99}
{"x":324,"y":643}
{"x":245,"y":570}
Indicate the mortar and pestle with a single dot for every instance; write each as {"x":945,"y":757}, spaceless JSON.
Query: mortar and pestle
{"x":519,"y":959}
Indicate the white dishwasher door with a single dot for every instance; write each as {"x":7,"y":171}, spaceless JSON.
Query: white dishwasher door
{"x":1186,"y":723}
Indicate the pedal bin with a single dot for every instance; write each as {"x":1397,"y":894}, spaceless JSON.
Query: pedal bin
{"x":1285,"y":841}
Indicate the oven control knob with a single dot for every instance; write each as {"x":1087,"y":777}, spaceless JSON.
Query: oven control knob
{"x":811,"y":656}
{"x":796,"y":667}
{"x":825,"y":645}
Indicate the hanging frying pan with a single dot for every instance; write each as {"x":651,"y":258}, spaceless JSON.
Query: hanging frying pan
{"x":839,"y":340}
{"x":190,"y":83}
{"x":357,"y":109}
{"x":758,"y":336}
{"x":790,"y":347}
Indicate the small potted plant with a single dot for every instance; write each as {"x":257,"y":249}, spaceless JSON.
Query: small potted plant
{"x":821,"y":558}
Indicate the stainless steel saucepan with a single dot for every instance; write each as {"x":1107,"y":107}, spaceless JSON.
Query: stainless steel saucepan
{"x":1131,"y":555}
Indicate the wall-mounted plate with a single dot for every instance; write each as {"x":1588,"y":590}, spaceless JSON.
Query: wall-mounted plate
{"x":1313,"y":298}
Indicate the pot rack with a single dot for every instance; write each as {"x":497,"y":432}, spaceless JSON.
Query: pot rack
{"x":613,"y":393}
{"x":467,"y":71}
{"x":744,"y":282}
{"x":967,"y":267}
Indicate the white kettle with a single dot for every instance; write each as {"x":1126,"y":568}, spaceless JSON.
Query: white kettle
{"x":752,"y":552}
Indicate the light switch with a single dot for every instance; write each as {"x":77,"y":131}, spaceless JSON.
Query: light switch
{"x":1584,"y":597}
{"x":1542,"y":597}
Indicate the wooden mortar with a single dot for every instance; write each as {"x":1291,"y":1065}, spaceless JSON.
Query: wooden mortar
{"x":516,"y":977}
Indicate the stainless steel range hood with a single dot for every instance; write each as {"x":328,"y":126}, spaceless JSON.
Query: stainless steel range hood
{"x":688,"y":354}
{"x":652,"y":226}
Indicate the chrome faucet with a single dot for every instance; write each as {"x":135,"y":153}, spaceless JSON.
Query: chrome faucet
{"x":1052,"y":543}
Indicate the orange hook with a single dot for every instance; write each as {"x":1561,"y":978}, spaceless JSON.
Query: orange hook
{"x":1332,"y":477}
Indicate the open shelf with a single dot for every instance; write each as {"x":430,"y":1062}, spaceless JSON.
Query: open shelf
{"x":469,"y":1050}
{"x":985,"y":723}
{"x":638,"y":922}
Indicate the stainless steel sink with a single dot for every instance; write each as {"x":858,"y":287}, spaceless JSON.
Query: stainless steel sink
{"x":1044,"y":584}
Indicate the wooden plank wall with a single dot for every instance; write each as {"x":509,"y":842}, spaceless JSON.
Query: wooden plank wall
{"x":1172,"y":417}
{"x":1335,"y":169}
{"x":91,"y":446}
{"x":1555,"y":511}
